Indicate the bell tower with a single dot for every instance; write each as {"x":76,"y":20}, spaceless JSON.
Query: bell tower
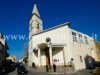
{"x":35,"y":22}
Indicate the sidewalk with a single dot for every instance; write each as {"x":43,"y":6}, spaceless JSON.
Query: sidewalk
{"x":60,"y":70}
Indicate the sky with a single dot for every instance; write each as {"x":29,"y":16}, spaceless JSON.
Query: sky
{"x":84,"y":16}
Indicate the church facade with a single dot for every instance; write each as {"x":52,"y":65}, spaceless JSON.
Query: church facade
{"x":57,"y":45}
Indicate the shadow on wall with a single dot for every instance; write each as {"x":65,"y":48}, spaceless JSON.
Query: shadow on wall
{"x":56,"y":50}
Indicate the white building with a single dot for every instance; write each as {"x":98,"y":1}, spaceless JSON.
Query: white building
{"x":57,"y":45}
{"x":12,"y":57}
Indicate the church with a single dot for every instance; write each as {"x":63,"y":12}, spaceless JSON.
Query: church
{"x":57,"y":45}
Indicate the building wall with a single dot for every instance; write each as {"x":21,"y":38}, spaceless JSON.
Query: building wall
{"x":3,"y":50}
{"x":80,"y":50}
{"x":1,"y":58}
{"x":12,"y":57}
{"x":72,"y":49}
{"x":58,"y":57}
{"x":96,"y":50}
{"x":57,"y":35}
{"x":43,"y":58}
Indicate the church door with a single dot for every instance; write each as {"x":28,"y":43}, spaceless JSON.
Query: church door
{"x":47,"y":58}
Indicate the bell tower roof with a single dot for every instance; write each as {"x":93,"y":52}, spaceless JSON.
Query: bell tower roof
{"x":35,"y":10}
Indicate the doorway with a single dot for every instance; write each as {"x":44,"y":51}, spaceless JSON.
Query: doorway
{"x":47,"y":57}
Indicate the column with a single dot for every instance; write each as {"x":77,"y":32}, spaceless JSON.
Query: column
{"x":39,"y":57}
{"x":64,"y":55}
{"x":51,"y":57}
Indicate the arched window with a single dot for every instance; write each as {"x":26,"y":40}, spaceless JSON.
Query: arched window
{"x":38,"y":26}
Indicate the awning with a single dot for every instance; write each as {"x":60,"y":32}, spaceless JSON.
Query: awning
{"x":42,"y":46}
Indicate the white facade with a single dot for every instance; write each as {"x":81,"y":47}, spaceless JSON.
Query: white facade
{"x":12,"y":57}
{"x":64,"y":44}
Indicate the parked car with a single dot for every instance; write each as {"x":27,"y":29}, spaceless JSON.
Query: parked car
{"x":21,"y":69}
{"x":2,"y":72}
{"x":9,"y":66}
{"x":20,"y":64}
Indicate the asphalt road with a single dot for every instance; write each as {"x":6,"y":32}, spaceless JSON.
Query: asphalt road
{"x":52,"y":73}
{"x":34,"y":73}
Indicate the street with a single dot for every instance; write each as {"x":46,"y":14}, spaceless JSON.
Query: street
{"x":35,"y":73}
{"x":84,"y":72}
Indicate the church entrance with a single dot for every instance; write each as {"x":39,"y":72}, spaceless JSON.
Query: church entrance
{"x":44,"y":47}
{"x":47,"y":56}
